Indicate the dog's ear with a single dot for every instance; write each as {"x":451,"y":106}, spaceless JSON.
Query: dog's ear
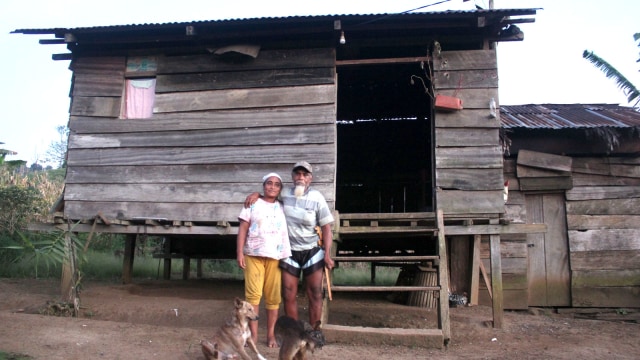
{"x":238,"y":303}
{"x":318,"y":325}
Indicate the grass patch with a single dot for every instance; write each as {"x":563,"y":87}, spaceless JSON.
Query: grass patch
{"x":93,"y":265}
{"x":13,"y":356}
{"x":105,"y":266}
{"x":355,"y":274}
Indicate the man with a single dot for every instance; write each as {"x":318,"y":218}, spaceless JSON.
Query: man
{"x":304,"y":209}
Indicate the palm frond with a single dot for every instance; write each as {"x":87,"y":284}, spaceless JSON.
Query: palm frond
{"x":636,"y":37}
{"x":631,"y":92}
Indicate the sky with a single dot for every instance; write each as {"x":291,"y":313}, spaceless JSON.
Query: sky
{"x":546,"y":67}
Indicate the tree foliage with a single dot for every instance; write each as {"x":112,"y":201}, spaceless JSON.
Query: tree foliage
{"x":57,"y":152}
{"x":629,"y":89}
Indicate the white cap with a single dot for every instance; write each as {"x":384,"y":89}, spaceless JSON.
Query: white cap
{"x":264,"y":178}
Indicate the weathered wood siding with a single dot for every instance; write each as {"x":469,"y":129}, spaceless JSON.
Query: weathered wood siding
{"x":468,"y":157}
{"x":603,"y":224}
{"x":514,"y":254}
{"x":549,"y":277}
{"x":541,"y":171}
{"x":603,"y":219}
{"x":513,"y":250}
{"x":218,"y":126}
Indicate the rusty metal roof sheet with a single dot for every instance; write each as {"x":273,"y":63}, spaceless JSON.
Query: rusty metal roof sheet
{"x":568,"y":116}
{"x":296,"y":18}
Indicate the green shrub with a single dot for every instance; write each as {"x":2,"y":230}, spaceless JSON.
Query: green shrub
{"x":41,"y":250}
{"x":18,"y":205}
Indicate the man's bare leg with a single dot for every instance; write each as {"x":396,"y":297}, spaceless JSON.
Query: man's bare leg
{"x":314,"y":293}
{"x":289,"y":293}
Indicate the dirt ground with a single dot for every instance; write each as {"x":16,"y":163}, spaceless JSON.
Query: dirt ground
{"x":153,"y":319}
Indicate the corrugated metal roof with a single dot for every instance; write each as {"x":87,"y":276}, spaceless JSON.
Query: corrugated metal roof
{"x":368,"y":17}
{"x":566,"y":116}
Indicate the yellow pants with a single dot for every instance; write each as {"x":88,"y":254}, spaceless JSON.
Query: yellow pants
{"x":262,"y":276}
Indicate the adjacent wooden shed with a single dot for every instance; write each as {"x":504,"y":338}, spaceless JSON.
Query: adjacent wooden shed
{"x":575,"y":167}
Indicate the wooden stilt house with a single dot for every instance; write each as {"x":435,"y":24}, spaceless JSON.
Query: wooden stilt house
{"x":172,"y":125}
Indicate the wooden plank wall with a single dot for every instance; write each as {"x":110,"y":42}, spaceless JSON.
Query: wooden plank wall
{"x":468,"y":156}
{"x":603,"y":230}
{"x":218,"y":126}
{"x":542,"y":171}
{"x":513,"y":249}
{"x":603,"y":219}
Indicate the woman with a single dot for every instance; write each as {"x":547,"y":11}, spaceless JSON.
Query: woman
{"x":262,"y":241}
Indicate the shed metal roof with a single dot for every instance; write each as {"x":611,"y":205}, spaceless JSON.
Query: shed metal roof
{"x":568,"y":116}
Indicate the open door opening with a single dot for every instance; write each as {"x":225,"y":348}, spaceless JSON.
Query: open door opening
{"x":384,"y":128}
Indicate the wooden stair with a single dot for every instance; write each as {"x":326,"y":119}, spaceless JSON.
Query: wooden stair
{"x":371,"y":234}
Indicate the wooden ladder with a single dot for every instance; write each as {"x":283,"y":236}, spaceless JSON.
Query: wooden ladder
{"x":375,"y":228}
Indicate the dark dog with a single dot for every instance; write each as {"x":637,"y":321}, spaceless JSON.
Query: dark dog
{"x":296,"y":337}
{"x":230,"y":339}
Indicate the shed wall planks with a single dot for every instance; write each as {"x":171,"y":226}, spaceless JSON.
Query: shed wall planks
{"x":601,"y":222}
{"x":602,"y":218}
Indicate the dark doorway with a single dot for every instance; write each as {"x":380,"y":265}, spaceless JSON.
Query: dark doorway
{"x":384,"y":139}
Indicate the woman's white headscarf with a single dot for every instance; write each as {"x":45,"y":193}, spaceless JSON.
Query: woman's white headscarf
{"x":264,"y":178}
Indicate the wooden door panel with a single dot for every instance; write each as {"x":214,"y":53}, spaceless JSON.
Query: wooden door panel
{"x":556,"y":251}
{"x":536,"y":253}
{"x":549,"y":276}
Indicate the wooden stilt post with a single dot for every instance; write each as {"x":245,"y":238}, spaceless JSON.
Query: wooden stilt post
{"x":69,"y":278}
{"x":186,"y":267}
{"x":129,"y":253}
{"x":475,"y":270}
{"x":324,"y":317}
{"x":166,"y":272}
{"x":496,"y":281}
{"x":199,"y":268}
{"x":443,"y":280}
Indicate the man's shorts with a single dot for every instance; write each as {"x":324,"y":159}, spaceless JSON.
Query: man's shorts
{"x":304,"y":261}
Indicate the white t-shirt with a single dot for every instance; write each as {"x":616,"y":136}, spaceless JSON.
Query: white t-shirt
{"x":268,"y":234}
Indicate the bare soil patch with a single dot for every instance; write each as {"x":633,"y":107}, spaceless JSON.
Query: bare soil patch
{"x":153,"y":319}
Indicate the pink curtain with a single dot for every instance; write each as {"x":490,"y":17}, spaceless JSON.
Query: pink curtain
{"x":140,"y":96}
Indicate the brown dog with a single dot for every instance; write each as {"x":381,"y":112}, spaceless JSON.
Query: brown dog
{"x":296,"y":337}
{"x":230,"y":339}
